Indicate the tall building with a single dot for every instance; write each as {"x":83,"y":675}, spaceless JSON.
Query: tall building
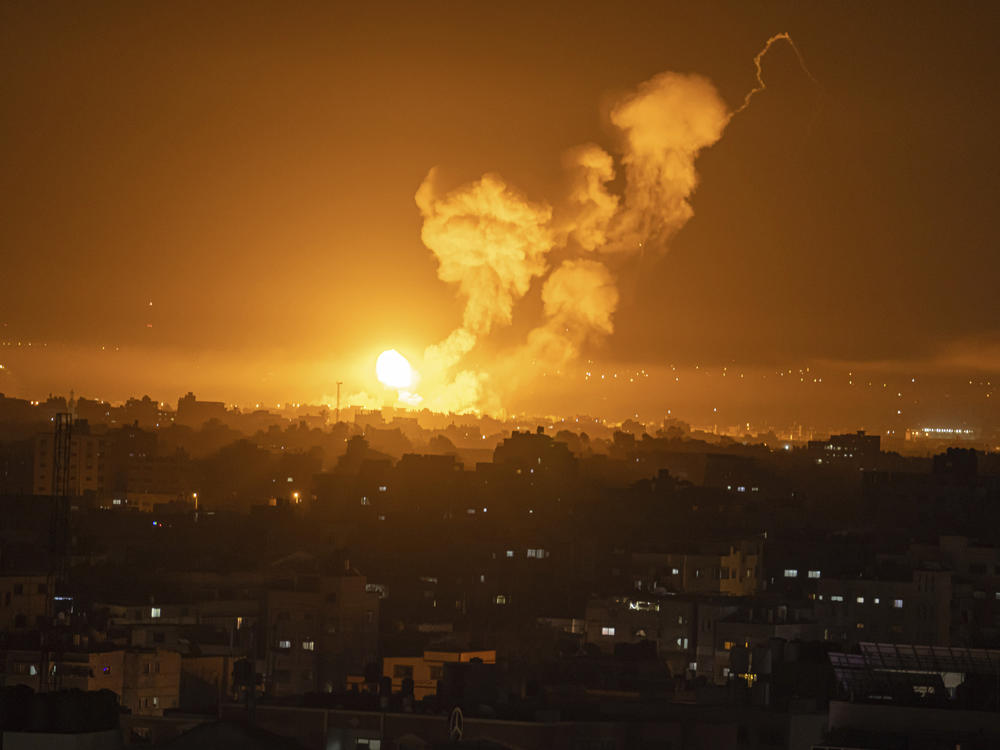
{"x":87,"y":462}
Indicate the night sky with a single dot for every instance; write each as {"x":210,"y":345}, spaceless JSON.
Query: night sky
{"x":221,"y":196}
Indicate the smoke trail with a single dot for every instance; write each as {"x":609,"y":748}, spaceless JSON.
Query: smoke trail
{"x":759,"y":73}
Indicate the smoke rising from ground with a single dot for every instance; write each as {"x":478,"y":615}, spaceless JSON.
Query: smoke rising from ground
{"x":492,"y":242}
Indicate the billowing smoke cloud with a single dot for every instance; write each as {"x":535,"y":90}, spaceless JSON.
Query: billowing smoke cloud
{"x":488,"y":239}
{"x":590,"y":206}
{"x":665,"y":124}
{"x":492,"y":242}
{"x":580,"y":298}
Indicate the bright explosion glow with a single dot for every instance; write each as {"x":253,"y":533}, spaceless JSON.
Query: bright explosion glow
{"x":393,"y":370}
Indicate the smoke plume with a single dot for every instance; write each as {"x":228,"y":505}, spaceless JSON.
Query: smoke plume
{"x":492,"y":242}
{"x":665,"y":124}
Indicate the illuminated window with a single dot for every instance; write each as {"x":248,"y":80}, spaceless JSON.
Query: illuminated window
{"x":836,"y":598}
{"x":607,"y":631}
{"x":675,"y":571}
{"x":284,"y":644}
{"x":729,"y":645}
{"x":876,"y":600}
{"x":382,"y":488}
{"x":308,"y":645}
{"x":364,"y":500}
{"x":500,"y":599}
{"x":813,"y":574}
{"x":860,"y":600}
{"x":897,"y":603}
{"x":154,"y":612}
{"x":510,"y":553}
{"x":791,"y":573}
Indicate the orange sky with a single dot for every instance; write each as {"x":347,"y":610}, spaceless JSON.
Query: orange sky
{"x":251,"y":169}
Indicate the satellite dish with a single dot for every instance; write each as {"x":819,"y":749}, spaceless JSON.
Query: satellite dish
{"x":456,"y":723}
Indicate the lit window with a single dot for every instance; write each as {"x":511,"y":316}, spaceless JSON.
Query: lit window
{"x":308,"y":645}
{"x":500,"y":599}
{"x":813,"y":574}
{"x":156,"y":701}
{"x":791,"y":573}
{"x":897,"y":603}
{"x":382,"y":488}
{"x":284,"y":644}
{"x":364,"y":500}
{"x":860,"y":600}
{"x":876,"y":600}
{"x":510,"y":553}
{"x":607,"y":631}
{"x":675,"y":571}
{"x":836,"y":598}
{"x":154,"y":612}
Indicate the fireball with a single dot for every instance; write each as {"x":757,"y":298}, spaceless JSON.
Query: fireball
{"x":393,"y":370}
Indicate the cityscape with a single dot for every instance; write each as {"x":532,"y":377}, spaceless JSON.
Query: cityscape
{"x":511,"y":377}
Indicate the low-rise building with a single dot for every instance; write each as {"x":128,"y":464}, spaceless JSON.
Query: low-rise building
{"x":151,"y":681}
{"x":426,"y":670}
